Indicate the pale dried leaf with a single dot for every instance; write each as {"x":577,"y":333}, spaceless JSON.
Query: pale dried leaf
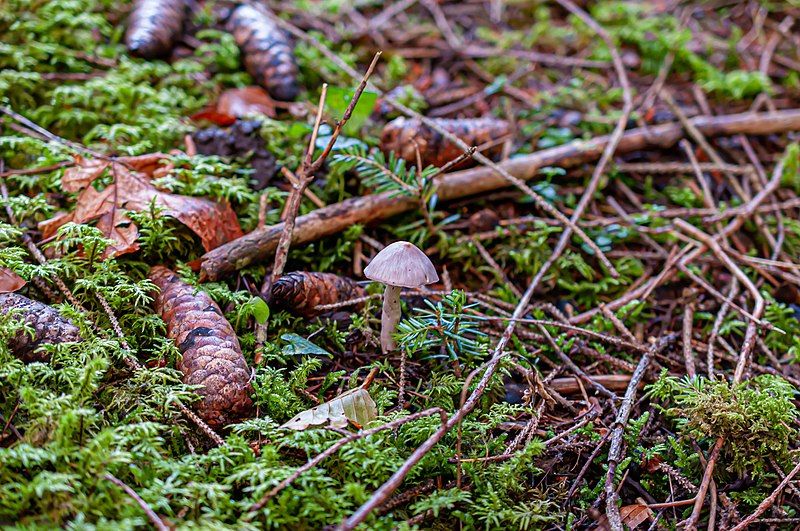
{"x":635,"y":514}
{"x":354,"y":406}
{"x":10,"y":281}
{"x":632,"y":516}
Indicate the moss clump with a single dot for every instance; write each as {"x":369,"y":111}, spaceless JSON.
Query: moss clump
{"x":755,"y":417}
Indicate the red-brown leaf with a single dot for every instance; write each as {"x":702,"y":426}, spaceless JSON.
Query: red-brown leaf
{"x":215,"y":117}
{"x":10,"y":281}
{"x":632,"y":516}
{"x":82,"y":174}
{"x":243,"y":101}
{"x":235,"y":103}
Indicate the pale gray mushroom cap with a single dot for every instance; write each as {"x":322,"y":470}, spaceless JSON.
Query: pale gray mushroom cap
{"x":401,"y":264}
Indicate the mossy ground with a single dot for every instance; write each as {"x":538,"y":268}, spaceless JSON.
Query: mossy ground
{"x":70,"y":422}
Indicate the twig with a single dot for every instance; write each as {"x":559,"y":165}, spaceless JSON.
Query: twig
{"x":587,"y":464}
{"x":616,"y":341}
{"x":506,"y":456}
{"x":618,"y":324}
{"x":758,"y":309}
{"x":574,"y":367}
{"x":615,"y":449}
{"x":496,"y":267}
{"x":723,"y":310}
{"x":332,"y":449}
{"x":678,"y":167}
{"x":768,"y":501}
{"x":156,"y":520}
{"x":307,"y":172}
{"x":34,"y":171}
{"x":39,"y":130}
{"x":688,"y":323}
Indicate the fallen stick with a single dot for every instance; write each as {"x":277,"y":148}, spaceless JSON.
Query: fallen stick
{"x":258,"y":244}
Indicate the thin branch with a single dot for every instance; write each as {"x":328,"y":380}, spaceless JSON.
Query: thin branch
{"x":156,"y":520}
{"x":615,"y":449}
{"x":305,"y":174}
{"x":332,"y":449}
{"x":384,"y":491}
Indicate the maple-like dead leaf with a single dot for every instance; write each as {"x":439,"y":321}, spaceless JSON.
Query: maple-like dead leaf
{"x":354,"y":406}
{"x":132,"y":190}
{"x":82,"y":174}
{"x":85,"y":171}
{"x":10,"y":281}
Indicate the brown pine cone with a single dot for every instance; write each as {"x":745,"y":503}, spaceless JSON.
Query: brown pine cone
{"x":49,"y":327}
{"x":405,"y":136}
{"x":301,"y":292}
{"x":154,"y":27}
{"x":267,"y":52}
{"x":210,"y":351}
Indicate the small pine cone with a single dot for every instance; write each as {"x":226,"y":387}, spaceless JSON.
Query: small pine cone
{"x":405,"y":136}
{"x":301,"y":292}
{"x":154,"y":27}
{"x":210,"y":351}
{"x":49,"y":327}
{"x":267,"y":52}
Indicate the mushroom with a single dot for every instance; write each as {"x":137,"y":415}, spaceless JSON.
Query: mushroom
{"x":399,"y":265}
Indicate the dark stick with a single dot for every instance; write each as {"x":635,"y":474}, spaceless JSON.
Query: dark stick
{"x":258,"y":245}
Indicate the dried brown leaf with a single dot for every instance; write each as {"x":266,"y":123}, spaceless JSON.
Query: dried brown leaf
{"x":10,"y":281}
{"x":635,"y":514}
{"x":632,"y":516}
{"x":133,"y":190}
{"x":240,"y":102}
{"x":82,"y":174}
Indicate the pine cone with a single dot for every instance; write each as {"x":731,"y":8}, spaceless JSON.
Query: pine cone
{"x":49,"y":327}
{"x":405,"y":136}
{"x":301,"y":292}
{"x":211,"y":355}
{"x":154,"y":27}
{"x":267,"y":51}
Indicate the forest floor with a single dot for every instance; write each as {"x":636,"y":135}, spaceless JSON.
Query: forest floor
{"x":608,"y":191}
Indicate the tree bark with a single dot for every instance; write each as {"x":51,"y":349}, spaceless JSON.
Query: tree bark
{"x":258,"y":244}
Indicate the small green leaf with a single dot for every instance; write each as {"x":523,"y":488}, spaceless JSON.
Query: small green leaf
{"x":300,"y":346}
{"x":337,"y":101}
{"x":260,"y":310}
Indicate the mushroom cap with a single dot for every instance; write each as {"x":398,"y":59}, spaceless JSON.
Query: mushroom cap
{"x":401,"y":264}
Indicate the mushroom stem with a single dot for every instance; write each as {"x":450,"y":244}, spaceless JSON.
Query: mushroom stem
{"x":390,"y":316}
